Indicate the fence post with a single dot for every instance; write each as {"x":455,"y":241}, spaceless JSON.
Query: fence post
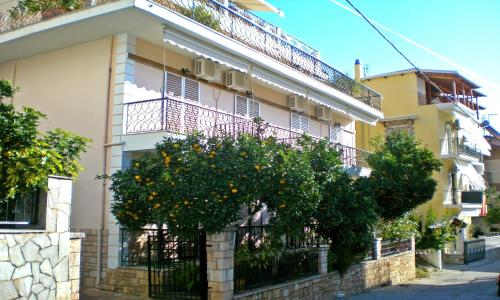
{"x":323,"y":259}
{"x":220,"y":265}
{"x":377,"y":248}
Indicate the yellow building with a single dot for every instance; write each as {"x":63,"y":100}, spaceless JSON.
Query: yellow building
{"x":445,"y":122}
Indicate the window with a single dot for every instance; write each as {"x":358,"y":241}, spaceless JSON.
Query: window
{"x":182,"y":87}
{"x":336,"y":133}
{"x":299,"y":122}
{"x":21,"y":211}
{"x":399,"y":129}
{"x":246,"y":107}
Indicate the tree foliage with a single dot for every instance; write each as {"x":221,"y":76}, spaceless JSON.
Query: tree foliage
{"x":29,"y":156}
{"x":436,"y":232}
{"x":493,"y":199}
{"x":400,"y":228}
{"x":401,"y":177}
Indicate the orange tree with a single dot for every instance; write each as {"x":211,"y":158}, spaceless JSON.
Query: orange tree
{"x":196,"y":182}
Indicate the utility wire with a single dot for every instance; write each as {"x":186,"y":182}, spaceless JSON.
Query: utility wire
{"x":427,"y":79}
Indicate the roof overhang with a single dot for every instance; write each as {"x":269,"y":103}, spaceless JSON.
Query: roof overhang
{"x":257,"y":5}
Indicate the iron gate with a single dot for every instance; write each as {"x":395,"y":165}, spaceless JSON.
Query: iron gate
{"x":177,"y":269}
{"x":474,"y":250}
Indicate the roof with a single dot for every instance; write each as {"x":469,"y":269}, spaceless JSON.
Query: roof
{"x":435,"y":75}
{"x":258,"y":5}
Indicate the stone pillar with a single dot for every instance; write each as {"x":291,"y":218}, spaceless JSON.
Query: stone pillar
{"x":220,"y":265}
{"x":323,"y":259}
{"x":377,"y":248}
{"x":412,"y":241}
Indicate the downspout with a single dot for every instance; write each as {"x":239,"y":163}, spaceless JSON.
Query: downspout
{"x":106,"y":146}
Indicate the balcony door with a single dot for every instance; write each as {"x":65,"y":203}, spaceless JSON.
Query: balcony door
{"x":182,"y":109}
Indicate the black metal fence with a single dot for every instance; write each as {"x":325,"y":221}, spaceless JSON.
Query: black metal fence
{"x":256,"y":267}
{"x":177,"y":269}
{"x":474,"y":250}
{"x":21,"y":211}
{"x":457,"y":146}
{"x":390,"y":247}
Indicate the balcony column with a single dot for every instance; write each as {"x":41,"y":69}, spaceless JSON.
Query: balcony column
{"x":225,"y":3}
{"x":454,"y":90}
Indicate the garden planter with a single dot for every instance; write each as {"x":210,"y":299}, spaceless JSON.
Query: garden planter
{"x":53,"y":12}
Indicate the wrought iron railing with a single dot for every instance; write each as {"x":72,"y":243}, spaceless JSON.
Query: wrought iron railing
{"x":458,"y":147}
{"x":236,"y":26}
{"x":242,"y":29}
{"x":299,"y":258}
{"x":390,"y":247}
{"x":134,"y":251}
{"x":21,"y":211}
{"x":184,"y":117}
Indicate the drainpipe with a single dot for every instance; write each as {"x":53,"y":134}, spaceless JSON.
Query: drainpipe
{"x":106,"y":146}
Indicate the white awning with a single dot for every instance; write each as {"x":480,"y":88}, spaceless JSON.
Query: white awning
{"x":469,"y":176}
{"x":472,"y":133}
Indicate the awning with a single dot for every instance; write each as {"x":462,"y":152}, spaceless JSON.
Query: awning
{"x":258,"y":5}
{"x":469,"y":176}
{"x":472,"y":133}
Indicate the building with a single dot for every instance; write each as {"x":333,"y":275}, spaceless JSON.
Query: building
{"x":445,"y":122}
{"x":126,"y":73}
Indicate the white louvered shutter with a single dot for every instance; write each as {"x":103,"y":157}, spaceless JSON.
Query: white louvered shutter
{"x":241,"y":106}
{"x":253,"y":108}
{"x":191,"y":90}
{"x":174,"y":85}
{"x":304,"y":124}
{"x":295,"y":121}
{"x":336,"y":134}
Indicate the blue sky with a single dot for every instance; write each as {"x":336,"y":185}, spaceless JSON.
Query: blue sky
{"x":464,"y":31}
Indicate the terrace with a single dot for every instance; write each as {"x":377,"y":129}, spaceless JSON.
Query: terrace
{"x":238,"y":25}
{"x":181,"y":116}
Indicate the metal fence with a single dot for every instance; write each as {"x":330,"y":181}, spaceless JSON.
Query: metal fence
{"x":390,"y":247}
{"x":457,"y":147}
{"x":21,"y":211}
{"x":184,"y":117}
{"x":256,"y":267}
{"x":474,"y":250}
{"x":134,"y":248}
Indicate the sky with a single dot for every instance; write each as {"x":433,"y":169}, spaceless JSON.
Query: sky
{"x":466,"y":32}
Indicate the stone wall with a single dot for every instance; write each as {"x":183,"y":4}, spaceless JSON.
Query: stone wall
{"x":35,"y":264}
{"x":89,"y":257}
{"x":389,"y":270}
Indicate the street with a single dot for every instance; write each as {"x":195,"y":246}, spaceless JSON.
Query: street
{"x":474,"y":281}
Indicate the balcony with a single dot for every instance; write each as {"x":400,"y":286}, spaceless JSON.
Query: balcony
{"x":242,"y":27}
{"x":460,"y":148}
{"x":180,"y":116}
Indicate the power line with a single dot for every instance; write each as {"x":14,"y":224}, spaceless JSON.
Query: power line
{"x":427,"y":79}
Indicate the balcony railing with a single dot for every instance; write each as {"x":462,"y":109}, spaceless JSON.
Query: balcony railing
{"x":460,"y":147}
{"x":247,"y":30}
{"x":184,"y":117}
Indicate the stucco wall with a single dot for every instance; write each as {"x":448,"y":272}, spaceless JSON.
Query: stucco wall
{"x":70,"y":86}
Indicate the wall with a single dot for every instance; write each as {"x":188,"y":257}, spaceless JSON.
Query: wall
{"x":389,"y":270}
{"x":70,"y":86}
{"x":42,"y":264}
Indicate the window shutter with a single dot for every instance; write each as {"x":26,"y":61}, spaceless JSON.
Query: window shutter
{"x":241,"y":106}
{"x":191,"y":90}
{"x":174,"y":85}
{"x":304,"y":124}
{"x":295,"y":121}
{"x":254,"y":108}
{"x":336,"y":134}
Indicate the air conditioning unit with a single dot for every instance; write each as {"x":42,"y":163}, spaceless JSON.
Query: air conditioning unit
{"x":237,"y":81}
{"x":323,"y":113}
{"x":206,"y":69}
{"x":297,"y":103}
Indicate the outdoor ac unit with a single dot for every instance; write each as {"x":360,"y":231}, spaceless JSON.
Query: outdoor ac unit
{"x":206,"y":69}
{"x":237,"y":81}
{"x":323,"y":113}
{"x":297,"y":103}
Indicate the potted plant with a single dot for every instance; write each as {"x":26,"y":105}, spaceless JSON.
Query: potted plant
{"x":47,"y":8}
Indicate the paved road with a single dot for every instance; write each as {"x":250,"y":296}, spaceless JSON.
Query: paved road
{"x":474,"y":281}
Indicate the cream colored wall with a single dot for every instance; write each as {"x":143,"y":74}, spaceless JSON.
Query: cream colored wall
{"x":7,"y":4}
{"x":70,"y":86}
